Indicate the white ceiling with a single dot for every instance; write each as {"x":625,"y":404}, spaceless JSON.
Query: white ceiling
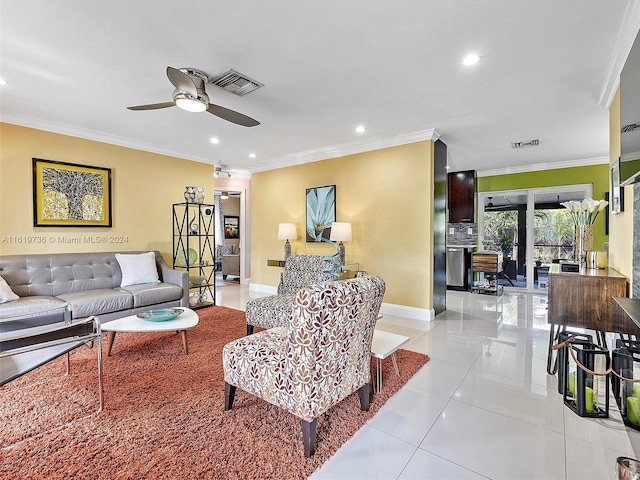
{"x":547,"y":70}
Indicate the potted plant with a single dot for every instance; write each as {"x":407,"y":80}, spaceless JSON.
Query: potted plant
{"x":505,"y":241}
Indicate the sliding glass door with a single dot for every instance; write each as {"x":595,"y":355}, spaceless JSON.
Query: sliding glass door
{"x":531,"y":230}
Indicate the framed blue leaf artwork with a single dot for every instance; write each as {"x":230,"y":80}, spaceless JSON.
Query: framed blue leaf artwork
{"x":321,"y":212}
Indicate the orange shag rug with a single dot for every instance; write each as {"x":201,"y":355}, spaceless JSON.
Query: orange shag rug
{"x":163,"y":415}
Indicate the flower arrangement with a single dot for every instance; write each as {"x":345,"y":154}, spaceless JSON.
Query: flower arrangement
{"x":586,"y":211}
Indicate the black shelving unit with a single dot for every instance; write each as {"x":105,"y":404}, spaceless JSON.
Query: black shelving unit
{"x":194,"y":250}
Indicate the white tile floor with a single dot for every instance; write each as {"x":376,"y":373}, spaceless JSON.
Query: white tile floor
{"x":483,"y":407}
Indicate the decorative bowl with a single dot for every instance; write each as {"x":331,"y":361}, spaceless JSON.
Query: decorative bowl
{"x":160,"y":315}
{"x":197,"y":280}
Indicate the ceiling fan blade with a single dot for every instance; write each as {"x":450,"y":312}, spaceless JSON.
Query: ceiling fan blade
{"x":183,"y":82}
{"x":153,"y":106}
{"x":232,"y":116}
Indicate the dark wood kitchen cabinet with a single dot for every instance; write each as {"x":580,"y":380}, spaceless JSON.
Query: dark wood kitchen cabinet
{"x":461,"y":196}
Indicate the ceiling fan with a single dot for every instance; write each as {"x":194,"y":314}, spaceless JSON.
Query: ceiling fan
{"x":190,"y":95}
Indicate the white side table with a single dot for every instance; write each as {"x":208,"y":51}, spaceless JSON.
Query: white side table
{"x":383,"y":345}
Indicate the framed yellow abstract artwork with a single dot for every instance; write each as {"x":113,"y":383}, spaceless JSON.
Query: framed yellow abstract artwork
{"x":70,"y":195}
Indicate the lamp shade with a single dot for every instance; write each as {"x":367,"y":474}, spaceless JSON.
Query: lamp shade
{"x":340,"y":232}
{"x":287,"y":231}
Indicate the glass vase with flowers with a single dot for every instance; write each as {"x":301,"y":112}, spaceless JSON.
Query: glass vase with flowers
{"x":584,"y":214}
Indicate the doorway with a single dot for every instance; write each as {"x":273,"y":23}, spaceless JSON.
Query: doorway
{"x":531,"y":230}
{"x":231,"y":233}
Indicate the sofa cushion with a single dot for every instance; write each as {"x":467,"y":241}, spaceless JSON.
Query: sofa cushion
{"x":6,"y":294}
{"x":95,"y":302}
{"x":138,"y":268}
{"x":153,"y":293}
{"x":225,"y":250}
{"x":31,"y":306}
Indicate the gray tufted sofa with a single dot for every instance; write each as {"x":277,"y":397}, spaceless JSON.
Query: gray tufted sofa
{"x":273,"y":311}
{"x":89,"y":283}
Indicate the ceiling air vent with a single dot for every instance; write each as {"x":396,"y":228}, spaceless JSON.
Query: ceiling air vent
{"x":630,"y":128}
{"x":235,"y":82}
{"x":530,"y":143}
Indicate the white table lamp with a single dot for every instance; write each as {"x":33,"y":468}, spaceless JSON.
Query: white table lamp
{"x":287,"y":231}
{"x":340,"y":231}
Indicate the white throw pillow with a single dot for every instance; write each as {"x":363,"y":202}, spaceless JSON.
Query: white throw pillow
{"x":138,"y":268}
{"x":6,"y":294}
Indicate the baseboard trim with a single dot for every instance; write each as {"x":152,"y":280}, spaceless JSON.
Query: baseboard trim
{"x":256,"y":287}
{"x":424,"y":314}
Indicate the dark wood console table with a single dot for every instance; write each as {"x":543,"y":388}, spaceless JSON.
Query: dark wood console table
{"x":626,"y":315}
{"x":583,"y":300}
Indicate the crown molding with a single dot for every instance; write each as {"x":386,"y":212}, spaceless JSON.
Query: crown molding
{"x":627,"y":35}
{"x":314,"y":155}
{"x":583,"y":162}
{"x":348,"y":148}
{"x":97,"y":136}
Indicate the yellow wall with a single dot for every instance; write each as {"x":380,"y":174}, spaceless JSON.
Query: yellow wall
{"x":144,"y":186}
{"x":386,"y":194}
{"x":620,"y":225}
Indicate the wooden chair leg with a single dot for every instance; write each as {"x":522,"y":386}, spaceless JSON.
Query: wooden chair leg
{"x":309,"y":437}
{"x":249,"y":329}
{"x":364,"y":394}
{"x":229,"y":394}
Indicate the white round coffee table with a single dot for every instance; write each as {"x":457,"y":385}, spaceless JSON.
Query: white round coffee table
{"x":187,"y":319}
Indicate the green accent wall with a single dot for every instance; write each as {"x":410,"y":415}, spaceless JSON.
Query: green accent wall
{"x":629,"y":168}
{"x":596,"y":175}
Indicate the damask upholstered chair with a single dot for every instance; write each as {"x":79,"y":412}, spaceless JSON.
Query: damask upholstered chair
{"x":222,"y":250}
{"x":273,"y":311}
{"x":321,"y":357}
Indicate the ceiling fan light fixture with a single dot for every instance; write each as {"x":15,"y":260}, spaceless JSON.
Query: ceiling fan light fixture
{"x":218,"y":171}
{"x":190,"y":103}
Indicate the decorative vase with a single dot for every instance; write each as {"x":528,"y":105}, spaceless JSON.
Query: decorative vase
{"x":199,"y":194}
{"x":583,"y":242}
{"x":190,"y":194}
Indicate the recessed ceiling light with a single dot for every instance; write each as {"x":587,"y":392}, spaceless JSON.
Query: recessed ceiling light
{"x":252,"y":155}
{"x":471,"y":59}
{"x":361,"y":129}
{"x":3,"y":82}
{"x":214,"y":140}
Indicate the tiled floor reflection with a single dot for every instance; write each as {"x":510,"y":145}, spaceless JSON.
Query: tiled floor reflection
{"x":483,"y":407}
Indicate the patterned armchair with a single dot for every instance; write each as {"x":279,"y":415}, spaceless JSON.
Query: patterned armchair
{"x":222,"y":250}
{"x":273,"y":311}
{"x":319,"y":359}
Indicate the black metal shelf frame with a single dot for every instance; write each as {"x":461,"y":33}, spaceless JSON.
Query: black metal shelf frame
{"x":194,"y":231}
